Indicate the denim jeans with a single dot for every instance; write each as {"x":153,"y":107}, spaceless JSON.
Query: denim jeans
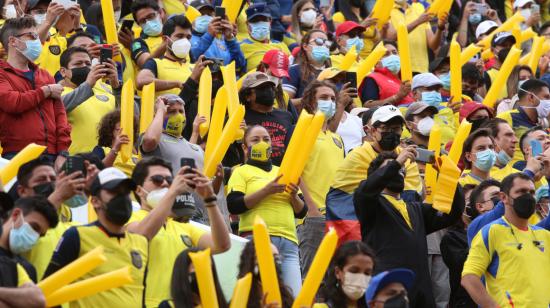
{"x":290,"y":266}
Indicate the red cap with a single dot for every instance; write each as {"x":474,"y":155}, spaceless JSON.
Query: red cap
{"x":277,"y":62}
{"x":468,"y":108}
{"x":347,"y":26}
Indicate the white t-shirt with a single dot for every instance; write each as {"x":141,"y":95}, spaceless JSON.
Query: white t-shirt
{"x":351,"y":131}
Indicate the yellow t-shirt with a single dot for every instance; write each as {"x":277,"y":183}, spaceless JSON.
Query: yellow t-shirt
{"x":418,"y":40}
{"x":254,"y":51}
{"x":22,"y":276}
{"x":51,"y":53}
{"x":173,"y":7}
{"x":172,"y":70}
{"x":400,"y":206}
{"x":275,"y":209}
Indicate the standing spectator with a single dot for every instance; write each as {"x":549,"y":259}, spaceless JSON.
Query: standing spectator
{"x":355,"y":11}
{"x":150,"y":17}
{"x":483,"y":198}
{"x":305,"y":18}
{"x":348,"y":34}
{"x":32,"y":110}
{"x":479,"y":157}
{"x":419,"y":121}
{"x":473,"y":24}
{"x":391,"y":288}
{"x":519,"y":75}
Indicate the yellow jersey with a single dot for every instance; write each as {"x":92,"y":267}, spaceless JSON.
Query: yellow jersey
{"x":418,"y":39}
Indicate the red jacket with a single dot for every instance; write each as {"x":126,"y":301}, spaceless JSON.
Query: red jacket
{"x":26,"y":116}
{"x":388,"y":85}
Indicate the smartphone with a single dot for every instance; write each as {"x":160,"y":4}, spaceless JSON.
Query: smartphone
{"x":106,"y":52}
{"x":215,"y":65}
{"x":74,"y":164}
{"x":536,"y":147}
{"x":66,"y":3}
{"x":219,"y":11}
{"x":481,"y":8}
{"x":127,"y":24}
{"x":535,"y":8}
{"x":351,"y":77}
{"x":184,"y":161}
{"x":425,"y":156}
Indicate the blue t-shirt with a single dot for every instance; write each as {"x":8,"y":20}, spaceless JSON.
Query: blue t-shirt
{"x":295,"y":83}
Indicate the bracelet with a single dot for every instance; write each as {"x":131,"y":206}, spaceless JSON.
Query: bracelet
{"x":210,"y":199}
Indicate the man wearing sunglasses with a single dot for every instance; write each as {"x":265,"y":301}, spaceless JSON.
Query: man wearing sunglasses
{"x":31,"y":107}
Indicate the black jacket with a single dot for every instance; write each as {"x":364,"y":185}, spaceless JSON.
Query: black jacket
{"x":385,"y":230}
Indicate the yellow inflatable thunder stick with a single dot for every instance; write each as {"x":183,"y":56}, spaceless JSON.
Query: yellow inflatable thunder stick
{"x":317,"y":270}
{"x":232,"y":8}
{"x":381,"y":11}
{"x":506,"y":26}
{"x":445,"y":8}
{"x":294,"y":147}
{"x":192,"y":13}
{"x":127,"y":119}
{"x":536,"y":53}
{"x":72,"y":271}
{"x":90,"y":286}
{"x":503,"y":74}
{"x":435,"y":7}
{"x":458,"y":143}
{"x":516,"y":32}
{"x":468,"y":53}
{"x":110,"y":25}
{"x":241,"y":292}
{"x":216,"y":123}
{"x":404,"y":52}
{"x":147,"y":107}
{"x":430,"y":178}
{"x":456,"y":72}
{"x":349,"y":59}
{"x":205,"y":100}
{"x":226,"y":138}
{"x":305,"y":150}
{"x":266,"y":263}
{"x":230,"y":83}
{"x":366,"y":66}
{"x":28,"y":153}
{"x":205,"y":279}
{"x":446,"y":185}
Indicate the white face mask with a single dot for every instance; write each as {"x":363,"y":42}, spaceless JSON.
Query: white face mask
{"x":425,"y":125}
{"x":308,"y":17}
{"x":543,"y":109}
{"x":154,"y":197}
{"x":526,"y":13}
{"x":181,"y":48}
{"x":10,"y":11}
{"x":355,"y":285}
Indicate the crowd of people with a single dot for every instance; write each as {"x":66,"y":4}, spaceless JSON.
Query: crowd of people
{"x":61,"y":87}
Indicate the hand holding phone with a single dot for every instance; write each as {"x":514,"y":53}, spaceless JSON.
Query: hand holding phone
{"x":127,"y":25}
{"x":219,"y":12}
{"x":536,"y":147}
{"x":425,"y":156}
{"x":74,"y":164}
{"x":105,"y":53}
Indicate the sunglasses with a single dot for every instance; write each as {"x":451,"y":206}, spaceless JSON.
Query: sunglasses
{"x":159,"y":179}
{"x":320,"y":42}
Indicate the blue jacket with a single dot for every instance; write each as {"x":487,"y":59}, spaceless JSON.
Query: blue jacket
{"x":212,"y":47}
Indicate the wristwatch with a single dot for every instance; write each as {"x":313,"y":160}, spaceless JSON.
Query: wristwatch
{"x":64,"y":154}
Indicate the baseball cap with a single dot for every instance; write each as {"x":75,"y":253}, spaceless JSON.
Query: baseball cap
{"x":367,"y":115}
{"x":484,"y":27}
{"x":522,"y":3}
{"x":501,"y":37}
{"x":358,"y":110}
{"x":257,"y":9}
{"x":111,"y":178}
{"x":199,"y":4}
{"x":256,"y":79}
{"x":468,"y":108}
{"x":278,"y":63}
{"x":386,"y":113}
{"x":425,"y":80}
{"x":329,"y":73}
{"x":184,"y":206}
{"x":348,"y":26}
{"x":542,"y":192}
{"x":378,"y":282}
{"x":418,"y":107}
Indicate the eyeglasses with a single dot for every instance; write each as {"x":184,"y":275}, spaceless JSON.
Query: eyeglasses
{"x":320,"y":42}
{"x":159,"y":179}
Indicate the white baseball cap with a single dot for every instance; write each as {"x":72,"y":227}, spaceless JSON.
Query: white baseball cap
{"x":110,"y":178}
{"x":425,"y":80}
{"x":521,"y":3}
{"x":484,"y":27}
{"x":386,"y":113}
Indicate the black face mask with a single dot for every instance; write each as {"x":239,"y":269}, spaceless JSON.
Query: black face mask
{"x":524,"y":206}
{"x":477,"y":123}
{"x":265,"y":96}
{"x":396,"y":184}
{"x":398,"y":301}
{"x":389,"y":141}
{"x":119,"y":209}
{"x":45,"y":189}
{"x":79,"y":75}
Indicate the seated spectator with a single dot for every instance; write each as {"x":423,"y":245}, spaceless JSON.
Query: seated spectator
{"x":472,"y":82}
{"x":483,"y":198}
{"x":475,"y":24}
{"x":479,"y":157}
{"x":304,"y":18}
{"x":519,"y":75}
{"x":348,"y":34}
{"x":390,"y":289}
{"x":543,"y":201}
{"x":151,"y":44}
{"x":419,"y":120}
{"x":357,"y":12}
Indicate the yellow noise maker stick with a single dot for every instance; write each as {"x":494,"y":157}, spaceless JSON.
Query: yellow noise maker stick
{"x":147,"y":107}
{"x":232,"y":8}
{"x":192,"y":13}
{"x":434,"y":144}
{"x":266,"y":263}
{"x":516,"y":32}
{"x":28,"y":153}
{"x":366,"y":66}
{"x":294,"y":147}
{"x":446,"y":185}
{"x":127,"y":119}
{"x":445,"y":8}
{"x":309,"y":141}
{"x":89,"y":287}
{"x":241,"y":292}
{"x":205,"y":279}
{"x":462,"y":133}
{"x":381,"y":11}
{"x":456,"y":72}
{"x":317,"y":270}
{"x":404,"y":52}
{"x":230,"y":83}
{"x":435,"y":7}
{"x":216,"y":123}
{"x":506,"y":26}
{"x":468,"y":53}
{"x":205,"y":100}
{"x":110,"y":25}
{"x":536,"y":53}
{"x":503,"y":74}
{"x":349,"y":59}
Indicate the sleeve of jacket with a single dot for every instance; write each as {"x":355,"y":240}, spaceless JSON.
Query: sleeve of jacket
{"x":62,"y":127}
{"x":201,"y":47}
{"x":434,"y":220}
{"x":236,"y":52}
{"x":16,"y":102}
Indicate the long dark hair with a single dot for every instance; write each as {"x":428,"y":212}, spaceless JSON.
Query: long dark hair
{"x":308,"y":72}
{"x":107,"y":125}
{"x":332,"y":291}
{"x":296,"y":25}
{"x":181,"y":290}
{"x":308,"y":98}
{"x":247,"y":265}
{"x":345,"y":7}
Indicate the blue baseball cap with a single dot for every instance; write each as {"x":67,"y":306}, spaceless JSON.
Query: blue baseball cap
{"x":378,"y":282}
{"x":257,"y":9}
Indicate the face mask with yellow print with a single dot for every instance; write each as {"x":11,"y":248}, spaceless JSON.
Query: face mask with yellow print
{"x":173,"y":126}
{"x":260,"y":151}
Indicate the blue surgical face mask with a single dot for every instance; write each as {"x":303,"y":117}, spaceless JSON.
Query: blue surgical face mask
{"x":446,"y":80}
{"x":260,"y":30}
{"x":201,"y":23}
{"x":503,"y":158}
{"x":320,"y":54}
{"x":327,"y":107}
{"x":474,"y":19}
{"x":152,"y":27}
{"x":485,"y":159}
{"x":432,"y":98}
{"x":22,"y":239}
{"x":392,"y":62}
{"x":33,"y":50}
{"x":357,"y":41}
{"x":76,"y":201}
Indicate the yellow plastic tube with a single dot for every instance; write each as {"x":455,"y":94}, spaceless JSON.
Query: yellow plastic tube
{"x":445,"y":8}
{"x":72,"y":271}
{"x":527,"y":34}
{"x":404,"y":52}
{"x":516,"y":32}
{"x":505,"y":70}
{"x":28,"y":153}
{"x":536,"y":53}
{"x":205,"y":100}
{"x":468,"y":53}
{"x":266,"y":263}
{"x":110,"y":25}
{"x":506,"y":26}
{"x":89,"y":287}
{"x":435,"y":7}
{"x":230,"y":82}
{"x":305,"y":150}
{"x":294,"y":147}
{"x":232,"y":8}
{"x":430,"y":178}
{"x":241,"y":292}
{"x":456,"y":72}
{"x":349,"y":59}
{"x":127,"y":119}
{"x":192,"y":13}
{"x":216,"y":123}
{"x":458,"y":143}
{"x":446,"y":185}
{"x":382,"y":10}
{"x":205,"y":279}
{"x":487,"y":54}
{"x":317,"y":270}
{"x":370,"y":61}
{"x":226,"y":138}
{"x":147,"y":107}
